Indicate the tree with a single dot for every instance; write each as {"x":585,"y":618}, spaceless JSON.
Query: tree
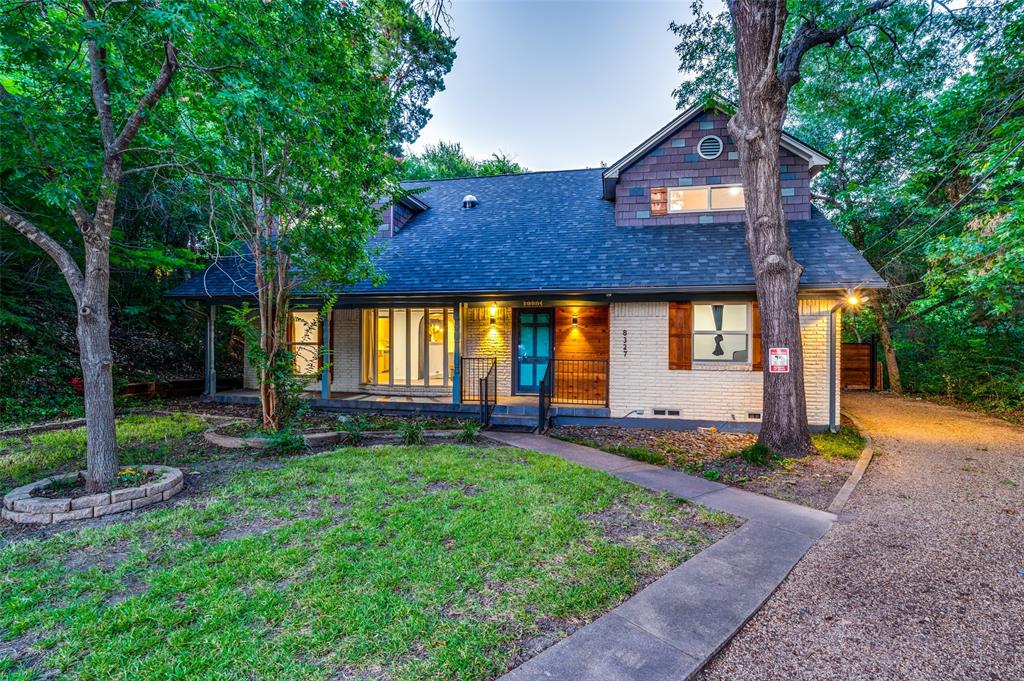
{"x":73,"y":125}
{"x":448,"y":159}
{"x":766,"y":71}
{"x":304,"y":133}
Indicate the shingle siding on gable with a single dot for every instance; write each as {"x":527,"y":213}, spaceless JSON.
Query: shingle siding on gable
{"x":675,"y":163}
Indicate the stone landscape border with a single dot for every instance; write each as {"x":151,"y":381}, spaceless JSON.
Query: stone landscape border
{"x":844,"y":493}
{"x":314,"y":439}
{"x":21,"y":507}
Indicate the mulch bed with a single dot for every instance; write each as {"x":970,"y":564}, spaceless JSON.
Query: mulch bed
{"x":811,"y":481}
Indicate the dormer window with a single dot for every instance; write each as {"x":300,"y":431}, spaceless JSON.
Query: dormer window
{"x":704,"y":199}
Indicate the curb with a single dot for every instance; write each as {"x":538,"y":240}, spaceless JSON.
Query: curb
{"x":858,"y":471}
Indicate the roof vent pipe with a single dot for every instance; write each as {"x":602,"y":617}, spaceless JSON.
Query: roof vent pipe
{"x":469,"y":201}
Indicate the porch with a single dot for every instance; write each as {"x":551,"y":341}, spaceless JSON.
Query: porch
{"x":383,"y":354}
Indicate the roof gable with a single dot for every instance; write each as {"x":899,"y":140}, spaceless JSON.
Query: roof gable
{"x":815,"y":159}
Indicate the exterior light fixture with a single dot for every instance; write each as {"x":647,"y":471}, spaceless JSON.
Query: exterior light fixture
{"x":494,"y":314}
{"x":575,"y":320}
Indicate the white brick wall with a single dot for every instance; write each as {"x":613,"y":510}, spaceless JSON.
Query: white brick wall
{"x":481,"y":339}
{"x":641,"y":380}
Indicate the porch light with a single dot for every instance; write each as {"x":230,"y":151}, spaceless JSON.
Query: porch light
{"x":575,"y":320}
{"x":494,"y":314}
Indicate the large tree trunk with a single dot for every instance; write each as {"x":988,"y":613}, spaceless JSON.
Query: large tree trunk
{"x":891,"y":366}
{"x":756,"y":129}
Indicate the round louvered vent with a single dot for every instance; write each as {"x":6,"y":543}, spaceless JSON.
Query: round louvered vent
{"x":710,"y":147}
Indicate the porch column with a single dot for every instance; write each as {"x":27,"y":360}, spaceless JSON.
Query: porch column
{"x":209,"y":370}
{"x":457,"y":372}
{"x":325,"y":373}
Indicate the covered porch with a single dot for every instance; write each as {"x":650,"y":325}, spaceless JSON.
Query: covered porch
{"x":440,"y":352}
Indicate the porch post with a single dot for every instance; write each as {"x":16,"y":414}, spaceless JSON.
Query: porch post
{"x":209,"y":370}
{"x":325,"y":373}
{"x":457,"y":372}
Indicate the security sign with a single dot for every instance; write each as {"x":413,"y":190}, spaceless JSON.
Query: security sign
{"x":778,"y":360}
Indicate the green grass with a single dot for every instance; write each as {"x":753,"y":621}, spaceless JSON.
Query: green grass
{"x":846,"y":444}
{"x":628,"y":451}
{"x":412,"y":562}
{"x":139,"y":438}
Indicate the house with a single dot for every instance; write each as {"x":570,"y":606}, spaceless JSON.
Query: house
{"x":626,"y":292}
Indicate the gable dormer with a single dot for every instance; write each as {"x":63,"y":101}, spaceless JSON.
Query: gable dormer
{"x":689,"y":173}
{"x":395,"y":214}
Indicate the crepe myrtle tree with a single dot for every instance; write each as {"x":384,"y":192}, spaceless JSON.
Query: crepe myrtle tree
{"x":80,"y":85}
{"x":304,"y":141}
{"x":755,"y":50}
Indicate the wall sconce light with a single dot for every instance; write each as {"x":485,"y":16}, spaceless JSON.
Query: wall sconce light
{"x":575,"y":321}
{"x":494,"y":314}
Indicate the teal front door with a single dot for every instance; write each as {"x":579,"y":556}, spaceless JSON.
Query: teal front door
{"x":533,"y":348}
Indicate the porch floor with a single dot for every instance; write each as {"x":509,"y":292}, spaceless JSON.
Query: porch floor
{"x":511,"y":400}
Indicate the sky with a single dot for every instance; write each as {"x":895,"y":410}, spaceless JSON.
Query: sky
{"x":558,"y":84}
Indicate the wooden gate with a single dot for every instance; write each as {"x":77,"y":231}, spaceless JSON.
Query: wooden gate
{"x":857,"y":366}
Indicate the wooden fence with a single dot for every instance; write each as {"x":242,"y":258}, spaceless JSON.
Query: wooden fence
{"x":858,"y":369}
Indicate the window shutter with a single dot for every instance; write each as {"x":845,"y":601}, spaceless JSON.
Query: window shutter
{"x":659,"y":201}
{"x":755,"y":337}
{"x":680,"y":338}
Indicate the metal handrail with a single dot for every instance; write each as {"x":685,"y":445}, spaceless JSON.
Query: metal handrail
{"x":579,"y":381}
{"x":544,"y":400}
{"x":488,"y":393}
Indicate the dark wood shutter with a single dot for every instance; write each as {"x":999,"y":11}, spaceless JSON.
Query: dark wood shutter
{"x":755,"y":337}
{"x":659,"y":201}
{"x":680,"y":338}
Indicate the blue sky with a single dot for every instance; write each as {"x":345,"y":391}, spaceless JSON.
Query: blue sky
{"x":558,"y":83}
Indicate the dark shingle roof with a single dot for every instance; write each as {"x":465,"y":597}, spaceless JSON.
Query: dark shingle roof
{"x":552,"y":232}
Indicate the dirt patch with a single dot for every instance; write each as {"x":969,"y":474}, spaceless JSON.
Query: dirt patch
{"x":713,"y":455}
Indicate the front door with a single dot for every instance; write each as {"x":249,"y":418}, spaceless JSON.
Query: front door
{"x":533,"y":343}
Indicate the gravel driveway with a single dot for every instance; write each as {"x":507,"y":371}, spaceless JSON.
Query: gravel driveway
{"x":923,"y":575}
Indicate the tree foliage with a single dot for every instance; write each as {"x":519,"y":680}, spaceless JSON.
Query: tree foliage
{"x":448,"y":159}
{"x":921,"y":113}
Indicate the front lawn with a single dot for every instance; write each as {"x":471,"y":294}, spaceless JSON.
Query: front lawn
{"x":385,"y":562}
{"x":141,"y":439}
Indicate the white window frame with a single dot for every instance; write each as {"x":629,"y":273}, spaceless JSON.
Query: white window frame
{"x":707,"y":190}
{"x":748,"y":332}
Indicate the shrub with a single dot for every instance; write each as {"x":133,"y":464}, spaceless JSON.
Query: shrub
{"x":712,"y":474}
{"x":759,"y":455}
{"x":469,"y":432}
{"x":285,"y":441}
{"x":411,"y":432}
{"x":355,"y":429}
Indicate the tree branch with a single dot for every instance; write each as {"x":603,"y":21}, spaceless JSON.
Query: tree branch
{"x":68,"y":267}
{"x":149,"y":100}
{"x":100,"y":83}
{"x":808,"y":35}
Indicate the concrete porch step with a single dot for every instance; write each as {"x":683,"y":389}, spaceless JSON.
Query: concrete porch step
{"x":520,"y":423}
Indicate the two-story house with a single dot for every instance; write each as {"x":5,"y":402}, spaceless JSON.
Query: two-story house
{"x":626,"y":293}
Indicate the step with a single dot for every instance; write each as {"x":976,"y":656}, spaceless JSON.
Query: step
{"x":513,"y":422}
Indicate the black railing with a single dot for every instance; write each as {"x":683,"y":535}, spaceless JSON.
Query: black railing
{"x":544,"y":400}
{"x":579,"y":381}
{"x":472,"y":370}
{"x":488,"y":394}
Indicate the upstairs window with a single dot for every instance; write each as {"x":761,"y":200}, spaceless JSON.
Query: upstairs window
{"x":704,"y":199}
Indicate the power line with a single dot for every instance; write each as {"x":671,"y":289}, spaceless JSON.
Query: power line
{"x":947,"y":176}
{"x":953,"y":207}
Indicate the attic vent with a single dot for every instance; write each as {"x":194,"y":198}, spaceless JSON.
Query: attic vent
{"x":710,"y":147}
{"x":469,"y":201}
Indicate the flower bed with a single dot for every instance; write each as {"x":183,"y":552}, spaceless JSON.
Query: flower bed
{"x":35,"y":502}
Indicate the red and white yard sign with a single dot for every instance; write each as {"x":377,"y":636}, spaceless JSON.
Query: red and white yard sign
{"x":778,"y":360}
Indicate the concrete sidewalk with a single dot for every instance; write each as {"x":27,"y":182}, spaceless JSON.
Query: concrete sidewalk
{"x":674,"y":626}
